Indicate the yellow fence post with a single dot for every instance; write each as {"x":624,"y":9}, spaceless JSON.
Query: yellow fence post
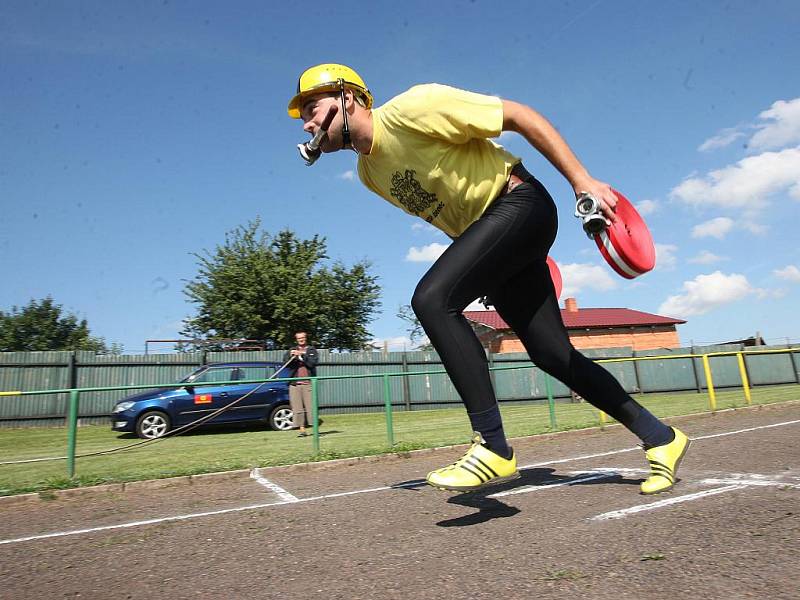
{"x":745,"y":382}
{"x":603,"y":419}
{"x":712,"y":397}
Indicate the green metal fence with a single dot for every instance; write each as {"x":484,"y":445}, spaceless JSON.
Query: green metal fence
{"x":109,"y":375}
{"x":392,"y":384}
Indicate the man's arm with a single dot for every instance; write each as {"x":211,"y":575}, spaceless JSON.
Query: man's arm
{"x":544,"y":137}
{"x":311,"y":357}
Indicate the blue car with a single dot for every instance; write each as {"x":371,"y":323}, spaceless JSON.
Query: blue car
{"x":153,"y":413}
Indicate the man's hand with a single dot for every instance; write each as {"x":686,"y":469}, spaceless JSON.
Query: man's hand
{"x":600,"y":190}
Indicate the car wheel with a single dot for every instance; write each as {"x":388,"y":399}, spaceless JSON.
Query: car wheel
{"x":152,"y":424}
{"x":281,"y":418}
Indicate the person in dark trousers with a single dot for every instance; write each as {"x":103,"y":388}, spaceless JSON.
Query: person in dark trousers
{"x":302,"y":362}
{"x":428,"y":151}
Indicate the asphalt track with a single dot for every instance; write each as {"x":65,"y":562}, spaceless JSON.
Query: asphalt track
{"x":573,"y":526}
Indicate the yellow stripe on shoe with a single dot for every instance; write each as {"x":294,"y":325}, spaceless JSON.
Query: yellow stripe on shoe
{"x":478,"y":468}
{"x":664,"y":461}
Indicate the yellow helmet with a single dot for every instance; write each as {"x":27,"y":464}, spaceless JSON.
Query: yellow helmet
{"x":325,"y":78}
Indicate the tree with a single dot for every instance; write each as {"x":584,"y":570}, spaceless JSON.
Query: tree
{"x":41,"y":325}
{"x":259,"y":287}
{"x":415,"y":331}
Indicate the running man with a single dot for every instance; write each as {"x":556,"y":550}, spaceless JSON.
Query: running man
{"x":428,"y":151}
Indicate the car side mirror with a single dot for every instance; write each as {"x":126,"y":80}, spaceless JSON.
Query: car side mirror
{"x":189,"y":388}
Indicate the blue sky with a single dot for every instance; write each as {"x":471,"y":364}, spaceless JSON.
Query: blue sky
{"x":134,"y":136}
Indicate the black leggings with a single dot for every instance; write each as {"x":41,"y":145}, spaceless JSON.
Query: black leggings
{"x":503,"y":255}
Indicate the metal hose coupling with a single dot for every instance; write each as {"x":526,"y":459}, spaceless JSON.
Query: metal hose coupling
{"x":587,"y":209}
{"x":309,"y":151}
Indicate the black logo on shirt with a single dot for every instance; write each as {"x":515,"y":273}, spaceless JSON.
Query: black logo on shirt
{"x":408,"y":192}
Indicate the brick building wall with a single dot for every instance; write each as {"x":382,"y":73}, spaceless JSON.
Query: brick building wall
{"x":587,"y":328}
{"x":639,"y":338}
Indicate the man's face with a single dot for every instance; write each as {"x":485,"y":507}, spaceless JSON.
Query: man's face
{"x":300,"y":338}
{"x":313,"y":114}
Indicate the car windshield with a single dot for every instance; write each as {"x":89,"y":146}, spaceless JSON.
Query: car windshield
{"x":193,"y":375}
{"x":255,"y":372}
{"x":228,"y":373}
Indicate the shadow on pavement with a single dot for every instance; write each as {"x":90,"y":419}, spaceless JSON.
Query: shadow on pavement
{"x":488,"y":509}
{"x":492,"y":508}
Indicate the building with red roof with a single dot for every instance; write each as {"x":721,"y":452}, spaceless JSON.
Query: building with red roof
{"x":587,"y":328}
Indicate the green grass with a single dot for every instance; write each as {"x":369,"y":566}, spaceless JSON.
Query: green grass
{"x":220,"y":449}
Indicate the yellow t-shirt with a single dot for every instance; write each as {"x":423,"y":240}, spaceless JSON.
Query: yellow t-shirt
{"x":431,"y":157}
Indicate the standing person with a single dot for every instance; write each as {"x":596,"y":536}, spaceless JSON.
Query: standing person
{"x":428,"y":152}
{"x":302,"y":362}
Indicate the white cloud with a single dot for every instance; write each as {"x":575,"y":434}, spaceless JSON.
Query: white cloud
{"x":755,"y":228}
{"x":579,"y":276}
{"x":722,"y":226}
{"x":783,"y":128}
{"x":707,"y":292}
{"x":423,"y":227}
{"x":746,"y":184}
{"x":347,"y":175}
{"x":647,"y":207}
{"x":771,"y":294}
{"x":779,"y":127}
{"x":724,"y":138}
{"x":427,"y":253}
{"x":789,"y":273}
{"x":717,"y":228}
{"x":665,"y":256}
{"x":706,"y":258}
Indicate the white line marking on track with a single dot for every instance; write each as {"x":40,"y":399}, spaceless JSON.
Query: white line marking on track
{"x":617,"y":470}
{"x":546,"y":485}
{"x":203,"y":514}
{"x":140,"y":523}
{"x":618,"y":514}
{"x":377,"y":489}
{"x":750,"y":482}
{"x":716,"y":435}
{"x":756,"y":479}
{"x":613,"y":452}
{"x":272,"y":487}
{"x":574,"y":458}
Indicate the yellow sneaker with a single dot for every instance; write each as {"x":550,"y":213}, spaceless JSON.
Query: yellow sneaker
{"x":478,"y":468}
{"x":664,"y":461}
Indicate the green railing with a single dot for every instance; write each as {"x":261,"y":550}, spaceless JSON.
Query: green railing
{"x":74,"y":393}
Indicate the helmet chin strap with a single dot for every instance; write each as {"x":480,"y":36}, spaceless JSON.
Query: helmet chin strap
{"x":345,"y":127}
